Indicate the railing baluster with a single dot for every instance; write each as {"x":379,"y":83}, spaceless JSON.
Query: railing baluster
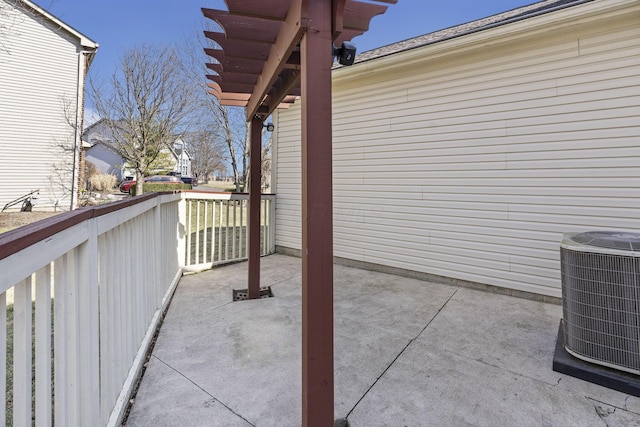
{"x":117,"y":309}
{"x":22,"y":326}
{"x":212,"y":246}
{"x":233,"y":237}
{"x":220,"y":232}
{"x":196,"y":229}
{"x":272,"y":226}
{"x":3,"y":357}
{"x":245,"y":241}
{"x":204,"y":232}
{"x":187,"y":222}
{"x":125,"y":298}
{"x":73,"y":339}
{"x":89,"y":326}
{"x":60,"y":342}
{"x":105,"y":248}
{"x":241,"y":253}
{"x":226,"y":234}
{"x":263,"y":229}
{"x":43,"y":347}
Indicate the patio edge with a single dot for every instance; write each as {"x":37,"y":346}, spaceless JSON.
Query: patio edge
{"x":428,"y":277}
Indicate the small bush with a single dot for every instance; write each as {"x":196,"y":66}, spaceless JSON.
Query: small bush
{"x":153,"y":187}
{"x":102,"y":182}
{"x":89,"y":170}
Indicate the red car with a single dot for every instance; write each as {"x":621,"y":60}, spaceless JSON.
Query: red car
{"x":163,"y":179}
{"x":125,"y":187}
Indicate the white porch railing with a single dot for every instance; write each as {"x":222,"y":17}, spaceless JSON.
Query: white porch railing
{"x":81,"y":295}
{"x":218,"y":224}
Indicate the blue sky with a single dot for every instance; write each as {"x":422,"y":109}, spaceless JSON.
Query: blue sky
{"x":118,"y":25}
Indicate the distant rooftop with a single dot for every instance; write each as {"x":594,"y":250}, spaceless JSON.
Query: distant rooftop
{"x":518,"y":14}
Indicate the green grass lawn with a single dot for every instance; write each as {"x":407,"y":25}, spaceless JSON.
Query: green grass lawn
{"x":229,"y":220}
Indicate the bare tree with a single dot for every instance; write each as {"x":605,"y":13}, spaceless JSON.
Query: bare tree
{"x":205,"y":150}
{"x":265,"y":160}
{"x":148,"y":102}
{"x":10,"y":20}
{"x":64,"y":152}
{"x":8,"y":16}
{"x":227,"y":123}
{"x":265,"y":181}
{"x":236,"y":142}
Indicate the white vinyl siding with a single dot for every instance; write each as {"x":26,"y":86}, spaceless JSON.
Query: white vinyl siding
{"x":39,"y":73}
{"x":288,"y":177}
{"x":472,"y":165}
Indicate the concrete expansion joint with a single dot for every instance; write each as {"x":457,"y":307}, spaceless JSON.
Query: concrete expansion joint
{"x":286,"y":280}
{"x":204,"y":391}
{"x":411,"y":341}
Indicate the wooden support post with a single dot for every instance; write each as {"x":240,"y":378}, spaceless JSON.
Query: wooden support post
{"x":317,"y":221}
{"x":255,"y":176}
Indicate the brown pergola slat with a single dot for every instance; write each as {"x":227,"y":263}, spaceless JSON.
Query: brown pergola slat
{"x":236,"y":65}
{"x":357,"y":15}
{"x":240,"y":48}
{"x":245,"y":27}
{"x":235,"y":78}
{"x":263,"y":9}
{"x":217,"y":67}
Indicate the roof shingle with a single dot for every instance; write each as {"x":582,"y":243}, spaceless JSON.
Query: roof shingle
{"x":504,"y":18}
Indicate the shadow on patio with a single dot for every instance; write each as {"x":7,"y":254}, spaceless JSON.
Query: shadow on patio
{"x":407,"y":353}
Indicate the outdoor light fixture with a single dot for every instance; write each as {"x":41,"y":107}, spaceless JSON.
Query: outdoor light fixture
{"x":270,"y":127}
{"x":346,"y":53}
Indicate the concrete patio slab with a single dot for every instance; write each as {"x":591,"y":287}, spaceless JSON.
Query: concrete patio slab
{"x":407,"y":353}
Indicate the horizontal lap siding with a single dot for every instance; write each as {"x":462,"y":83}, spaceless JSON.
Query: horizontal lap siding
{"x":472,"y":167}
{"x":288,"y":179}
{"x":39,"y":70}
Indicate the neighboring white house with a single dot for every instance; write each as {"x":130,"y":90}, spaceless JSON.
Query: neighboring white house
{"x":43,"y":64}
{"x":97,"y":138}
{"x":465,"y":154}
{"x":108,"y":161}
{"x":181,"y":156}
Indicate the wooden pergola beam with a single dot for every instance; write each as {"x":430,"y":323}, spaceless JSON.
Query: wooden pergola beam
{"x":317,"y":219}
{"x":255,"y":178}
{"x":288,"y":37}
{"x":299,"y":35}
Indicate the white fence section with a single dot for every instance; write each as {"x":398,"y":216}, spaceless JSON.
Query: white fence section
{"x":218,"y":228}
{"x":81,"y":297}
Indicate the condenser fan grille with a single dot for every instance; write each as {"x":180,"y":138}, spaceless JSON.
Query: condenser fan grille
{"x":600,"y":299}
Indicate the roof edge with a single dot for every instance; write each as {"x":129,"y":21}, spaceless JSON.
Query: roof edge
{"x":503,"y":18}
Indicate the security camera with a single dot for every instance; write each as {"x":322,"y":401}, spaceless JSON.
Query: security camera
{"x":269,"y":126}
{"x":346,"y":53}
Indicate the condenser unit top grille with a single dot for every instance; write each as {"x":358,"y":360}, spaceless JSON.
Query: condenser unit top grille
{"x":618,"y":242}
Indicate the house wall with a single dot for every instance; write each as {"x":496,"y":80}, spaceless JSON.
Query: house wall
{"x":105,"y":160}
{"x":468,"y":159}
{"x":39,"y":69}
{"x":183,"y":164}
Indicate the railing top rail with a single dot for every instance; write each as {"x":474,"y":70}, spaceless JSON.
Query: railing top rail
{"x":14,"y":241}
{"x":211,"y":195}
